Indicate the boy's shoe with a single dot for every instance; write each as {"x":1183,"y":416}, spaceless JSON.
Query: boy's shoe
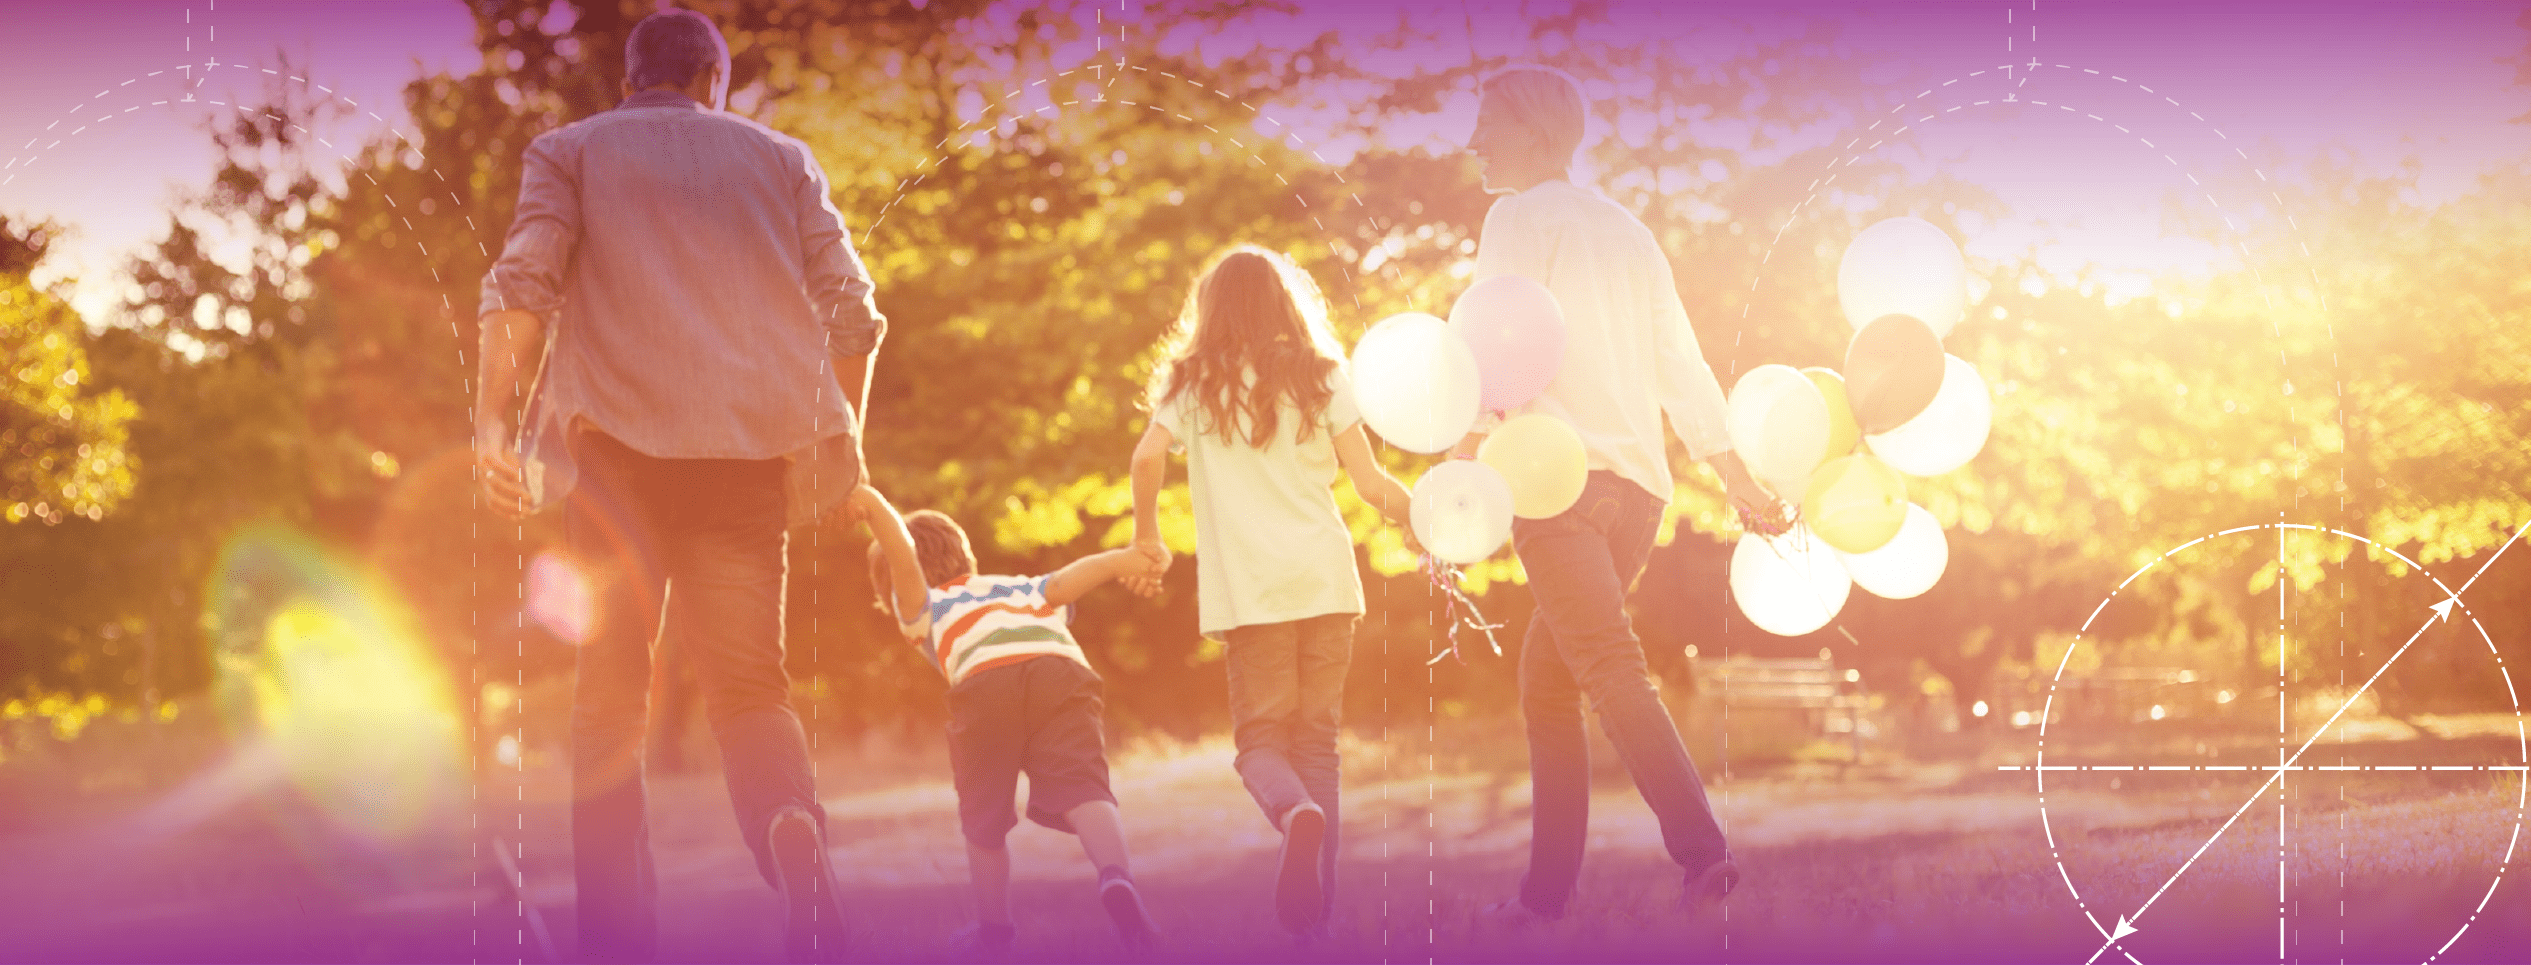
{"x":1298,"y":898}
{"x":1710,"y":886}
{"x":1124,"y":906}
{"x":814,"y":931}
{"x":982,"y":941}
{"x":1512,"y":914}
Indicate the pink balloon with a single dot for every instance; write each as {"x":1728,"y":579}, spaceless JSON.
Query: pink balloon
{"x":1517,"y":332}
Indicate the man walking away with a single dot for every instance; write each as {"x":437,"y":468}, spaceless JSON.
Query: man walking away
{"x":702,"y":298}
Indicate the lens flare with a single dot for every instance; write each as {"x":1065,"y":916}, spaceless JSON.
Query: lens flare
{"x":321,"y":665}
{"x":558,"y":598}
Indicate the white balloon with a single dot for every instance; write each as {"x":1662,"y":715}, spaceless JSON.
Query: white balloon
{"x":1416,"y":382}
{"x":1461,"y":511}
{"x":1906,"y":566}
{"x":1788,"y":585}
{"x":1903,"y":266}
{"x":1778,"y":423}
{"x":1948,"y":433}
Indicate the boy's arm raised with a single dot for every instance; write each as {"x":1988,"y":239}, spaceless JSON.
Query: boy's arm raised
{"x":1081,"y":576}
{"x":905,"y":570}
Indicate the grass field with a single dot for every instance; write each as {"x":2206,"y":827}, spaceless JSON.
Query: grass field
{"x":1915,"y":862}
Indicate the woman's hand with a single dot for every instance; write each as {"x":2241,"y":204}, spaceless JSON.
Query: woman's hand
{"x":1758,"y":508}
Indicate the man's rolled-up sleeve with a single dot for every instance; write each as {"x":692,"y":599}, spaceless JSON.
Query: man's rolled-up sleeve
{"x":543,"y":233}
{"x":838,"y":285}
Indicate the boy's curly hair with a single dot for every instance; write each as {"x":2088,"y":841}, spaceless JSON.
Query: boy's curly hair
{"x":939,"y":546}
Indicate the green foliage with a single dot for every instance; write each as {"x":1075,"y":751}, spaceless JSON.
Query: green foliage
{"x":62,"y":441}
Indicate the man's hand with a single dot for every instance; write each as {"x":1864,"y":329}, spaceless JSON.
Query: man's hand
{"x":497,"y":469}
{"x":513,"y":352}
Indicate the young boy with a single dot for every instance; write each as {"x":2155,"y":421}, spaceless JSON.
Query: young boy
{"x":1022,"y":697}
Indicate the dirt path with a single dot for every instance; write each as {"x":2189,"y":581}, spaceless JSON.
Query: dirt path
{"x":1944,"y":866}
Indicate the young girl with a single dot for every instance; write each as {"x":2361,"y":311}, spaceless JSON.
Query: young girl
{"x":1255,"y":391}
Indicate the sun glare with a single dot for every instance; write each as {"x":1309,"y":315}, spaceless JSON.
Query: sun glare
{"x":558,"y":598}
{"x":323,"y":668}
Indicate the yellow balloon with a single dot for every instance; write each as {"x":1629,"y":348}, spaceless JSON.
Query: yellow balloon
{"x":1843,"y":433}
{"x":1542,"y":458}
{"x":1856,"y":503}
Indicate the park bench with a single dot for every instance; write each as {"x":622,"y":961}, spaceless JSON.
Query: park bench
{"x":2115,"y":695}
{"x":1823,"y":699}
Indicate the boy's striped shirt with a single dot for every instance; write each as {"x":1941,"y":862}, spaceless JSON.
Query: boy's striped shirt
{"x":976,"y":623}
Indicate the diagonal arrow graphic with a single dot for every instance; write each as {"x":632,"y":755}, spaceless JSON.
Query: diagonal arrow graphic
{"x":2443,"y":610}
{"x":2124,"y":929}
{"x":2442,"y":613}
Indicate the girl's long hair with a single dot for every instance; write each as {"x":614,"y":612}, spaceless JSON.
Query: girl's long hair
{"x":1251,"y":310}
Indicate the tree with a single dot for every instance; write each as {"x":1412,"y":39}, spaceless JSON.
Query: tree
{"x":61,"y":443}
{"x":66,"y":457}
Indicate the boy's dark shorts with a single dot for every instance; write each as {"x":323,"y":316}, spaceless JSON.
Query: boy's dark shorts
{"x":1041,"y":716}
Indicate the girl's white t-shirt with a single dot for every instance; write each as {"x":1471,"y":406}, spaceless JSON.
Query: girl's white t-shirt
{"x":1270,"y":546}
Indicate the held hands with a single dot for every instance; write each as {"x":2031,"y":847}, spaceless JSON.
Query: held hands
{"x":498,"y":472}
{"x":865,"y":503}
{"x":1153,"y":560}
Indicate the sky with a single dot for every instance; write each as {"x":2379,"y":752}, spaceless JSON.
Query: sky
{"x":2206,"y":103}
{"x":111,"y":183}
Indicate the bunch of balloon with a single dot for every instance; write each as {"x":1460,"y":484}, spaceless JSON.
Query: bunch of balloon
{"x":1423,"y":383}
{"x":1838,"y":445}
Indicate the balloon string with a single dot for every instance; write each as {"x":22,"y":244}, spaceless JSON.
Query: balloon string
{"x":1752,"y":522}
{"x":1447,"y":578}
{"x":1767,"y":534}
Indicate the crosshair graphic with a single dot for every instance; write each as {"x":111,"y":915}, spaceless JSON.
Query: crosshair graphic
{"x":2119,"y":919}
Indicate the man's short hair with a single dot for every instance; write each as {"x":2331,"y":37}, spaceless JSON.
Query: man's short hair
{"x":673,"y":47}
{"x":1544,"y":99}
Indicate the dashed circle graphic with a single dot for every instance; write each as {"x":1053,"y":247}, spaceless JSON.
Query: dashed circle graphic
{"x":2122,"y":923}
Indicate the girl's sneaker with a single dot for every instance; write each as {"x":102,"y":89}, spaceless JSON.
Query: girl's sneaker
{"x":1124,"y":906}
{"x":1298,"y":900}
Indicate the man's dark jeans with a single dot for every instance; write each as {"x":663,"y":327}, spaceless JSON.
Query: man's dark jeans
{"x":706,"y":537}
{"x":1580,"y":642}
